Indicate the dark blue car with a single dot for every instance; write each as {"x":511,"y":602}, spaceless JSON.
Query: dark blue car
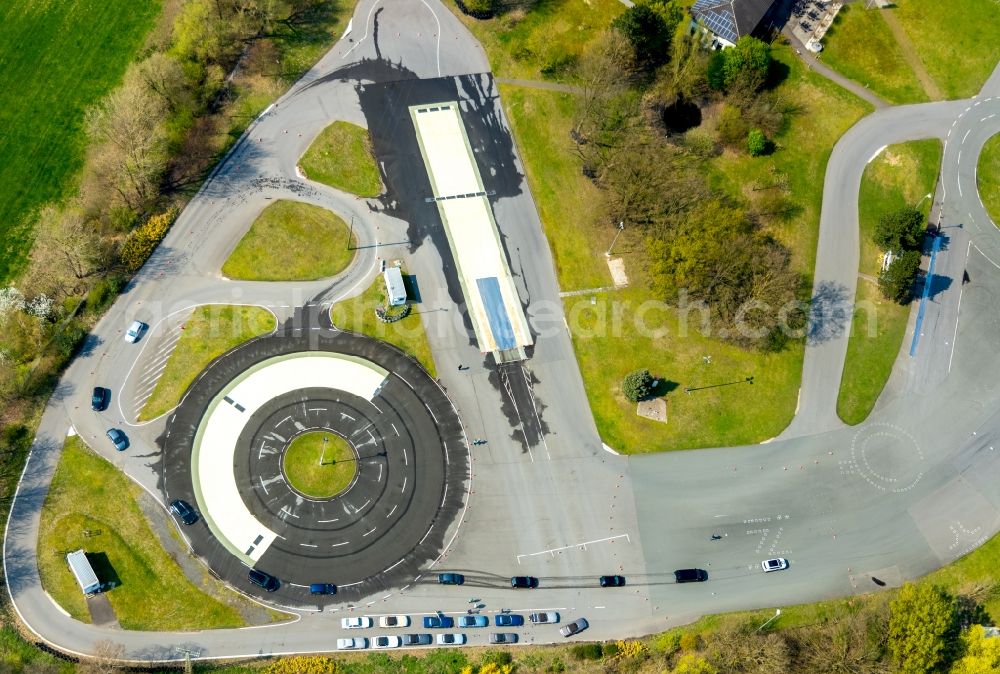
{"x":508,"y":620}
{"x":434,"y":621}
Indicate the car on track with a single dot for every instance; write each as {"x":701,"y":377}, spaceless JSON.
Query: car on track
{"x":100,"y":399}
{"x":394,"y":621}
{"x":322,"y":588}
{"x":574,"y":627}
{"x":508,"y":620}
{"x":265,"y":581}
{"x":450,"y":639}
{"x":352,"y":643}
{"x":451,"y":578}
{"x":356,"y":623}
{"x":417,"y":640}
{"x":612,"y":581}
{"x":524,"y":582}
{"x":183,"y":511}
{"x":438,"y":621}
{"x":544,"y":617}
{"x":690,"y":575}
{"x":776,"y":564}
{"x":135,"y":331}
{"x":503,"y":638}
{"x":386,"y":642}
{"x":118,"y":439}
{"x":473,"y":621}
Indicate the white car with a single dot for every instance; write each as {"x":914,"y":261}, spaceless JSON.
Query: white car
{"x":450,"y":639}
{"x":544,"y":617}
{"x":352,"y":644}
{"x":386,"y":642}
{"x":359,"y":622}
{"x":135,"y":331}
{"x":394,"y":621}
{"x":776,"y":564}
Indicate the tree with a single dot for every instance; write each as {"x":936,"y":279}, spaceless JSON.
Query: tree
{"x":716,"y":70}
{"x":896,"y":282}
{"x":756,"y":143}
{"x":648,"y":33}
{"x":982,"y":653}
{"x":637,"y":385}
{"x":921,"y":625}
{"x":66,"y":252}
{"x":899,"y":230}
{"x":747,"y":64}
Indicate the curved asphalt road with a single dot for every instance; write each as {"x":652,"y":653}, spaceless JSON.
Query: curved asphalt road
{"x":909,"y":490}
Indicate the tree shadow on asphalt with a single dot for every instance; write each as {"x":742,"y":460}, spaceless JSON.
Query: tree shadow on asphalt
{"x":829,"y":312}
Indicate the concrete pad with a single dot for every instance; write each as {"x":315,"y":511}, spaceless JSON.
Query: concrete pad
{"x":655,"y":409}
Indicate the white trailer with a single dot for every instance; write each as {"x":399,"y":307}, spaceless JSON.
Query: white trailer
{"x":394,"y":286}
{"x":84,"y":572}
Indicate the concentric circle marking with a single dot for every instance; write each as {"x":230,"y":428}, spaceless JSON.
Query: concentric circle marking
{"x":887,"y":457}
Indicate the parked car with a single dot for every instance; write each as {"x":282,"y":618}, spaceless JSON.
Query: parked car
{"x":776,"y":564}
{"x":522,"y":582}
{"x":100,"y":399}
{"x":451,"y":578}
{"x":118,"y":439}
{"x":135,"y":331}
{"x":438,"y":621}
{"x":386,"y":642}
{"x":508,"y":620}
{"x":394,"y":621}
{"x":690,"y":575}
{"x":184,"y":512}
{"x":356,"y":623}
{"x":574,"y":627}
{"x":322,"y":588}
{"x":450,"y":639}
{"x":503,"y":638}
{"x":473,"y":621}
{"x":544,"y":617}
{"x":612,"y":581}
{"x":263,"y":580}
{"x":417,"y":640}
{"x":352,"y":643}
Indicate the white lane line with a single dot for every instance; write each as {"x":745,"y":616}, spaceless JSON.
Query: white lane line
{"x":370,"y":532}
{"x":308,"y":545}
{"x":363,"y":37}
{"x":958,"y":311}
{"x":987,"y":117}
{"x":379,"y":472}
{"x":327,"y":522}
{"x":262,"y":485}
{"x":986,"y":256}
{"x":395,"y":430}
{"x":963,"y":142}
{"x":390,"y":569}
{"x":403,"y":490}
{"x":337,"y":545}
{"x":364,"y":505}
{"x":959,"y":183}
{"x":397,"y":505}
{"x":877,"y":153}
{"x":405,"y":460}
{"x":552,"y":551}
{"x":434,"y":14}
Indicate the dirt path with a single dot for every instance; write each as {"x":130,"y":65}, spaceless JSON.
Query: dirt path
{"x":910,"y":54}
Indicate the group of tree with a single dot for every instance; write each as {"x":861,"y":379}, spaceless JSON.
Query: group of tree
{"x":900,"y":233}
{"x":706,"y":248}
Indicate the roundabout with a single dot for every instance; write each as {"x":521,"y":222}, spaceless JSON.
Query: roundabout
{"x":318,"y":457}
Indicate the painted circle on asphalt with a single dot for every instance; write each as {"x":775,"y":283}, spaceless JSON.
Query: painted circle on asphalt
{"x":318,"y":463}
{"x":379,"y":528}
{"x":887,"y":457}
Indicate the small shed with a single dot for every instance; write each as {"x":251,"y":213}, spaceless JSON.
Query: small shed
{"x":84,"y":572}
{"x":394,"y":286}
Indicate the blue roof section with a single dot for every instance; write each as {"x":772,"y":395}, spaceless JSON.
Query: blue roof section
{"x":718,"y":17}
{"x":496,"y":312}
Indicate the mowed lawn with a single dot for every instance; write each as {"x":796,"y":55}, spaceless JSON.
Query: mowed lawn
{"x":91,"y":496}
{"x":543,"y":42}
{"x":211,"y":331}
{"x":860,"y":46}
{"x":341,"y":157}
{"x":358,"y":315}
{"x":957,"y":41}
{"x":988,"y":177}
{"x":57,"y":58}
{"x":292,"y":241}
{"x":901,"y":176}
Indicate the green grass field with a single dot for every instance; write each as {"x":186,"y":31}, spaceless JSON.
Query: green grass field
{"x":861,"y":47}
{"x":319,"y":464}
{"x":208,"y":333}
{"x":988,"y":178}
{"x":88,"y":494}
{"x":341,"y":157}
{"x":358,"y":315}
{"x":291,"y":241}
{"x":902,"y":175}
{"x":543,"y":42}
{"x":957,"y":41}
{"x":58,"y":59}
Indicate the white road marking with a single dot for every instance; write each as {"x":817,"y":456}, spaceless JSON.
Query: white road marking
{"x":405,"y":460}
{"x":438,"y":35}
{"x":363,"y":37}
{"x":958,"y":311}
{"x":877,"y":153}
{"x":337,"y":545}
{"x":552,"y":551}
{"x":396,"y":506}
{"x":403,"y":490}
{"x":370,"y":532}
{"x":963,"y":142}
{"x":987,"y":117}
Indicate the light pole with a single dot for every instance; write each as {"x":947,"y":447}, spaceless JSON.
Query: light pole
{"x":926,"y":196}
{"x":322,"y":457}
{"x":350,"y":235}
{"x":777,"y":612}
{"x":621,"y":228}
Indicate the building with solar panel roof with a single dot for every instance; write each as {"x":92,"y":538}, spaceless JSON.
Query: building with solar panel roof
{"x":729,"y":20}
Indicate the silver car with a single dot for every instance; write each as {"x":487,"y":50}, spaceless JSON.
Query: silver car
{"x":544,"y":617}
{"x":135,"y":331}
{"x":450,"y":639}
{"x":574,"y":627}
{"x":352,"y":644}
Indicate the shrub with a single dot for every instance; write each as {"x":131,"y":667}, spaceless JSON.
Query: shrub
{"x":756,"y":143}
{"x":142,"y":240}
{"x":637,"y":385}
{"x":587,"y":651}
{"x":611,"y":649}
{"x":303,"y":665}
{"x":896,"y":282}
{"x":732,"y":126}
{"x":689,"y":641}
{"x":631,"y":649}
{"x":479,"y":9}
{"x":103,"y":292}
{"x":667,"y":643}
{"x":498,"y":658}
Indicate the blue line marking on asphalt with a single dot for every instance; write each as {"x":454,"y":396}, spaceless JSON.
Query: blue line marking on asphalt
{"x":496,"y":312}
{"x":923,"y":300}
